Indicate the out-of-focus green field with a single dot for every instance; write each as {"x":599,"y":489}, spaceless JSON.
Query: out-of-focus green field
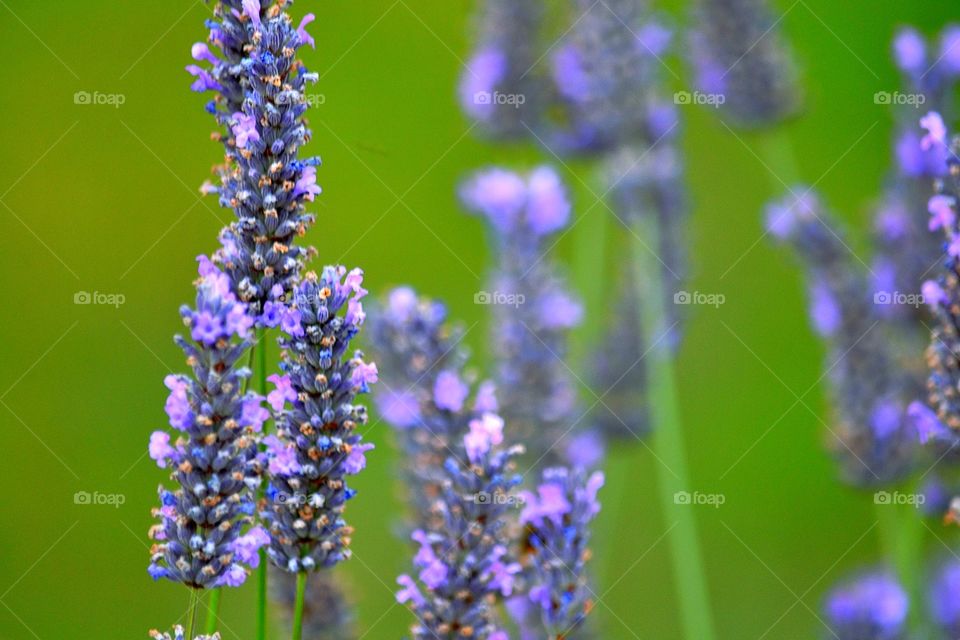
{"x":99,"y":198}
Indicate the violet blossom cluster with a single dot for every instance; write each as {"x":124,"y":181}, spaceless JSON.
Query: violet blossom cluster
{"x":557,"y":523}
{"x":317,"y":445}
{"x":742,"y":61}
{"x":873,"y":606}
{"x":260,"y":105}
{"x":499,"y":88}
{"x":463,"y":564}
{"x":533,"y":306}
{"x":203,"y":539}
{"x":428,"y":404}
{"x":870,"y":390}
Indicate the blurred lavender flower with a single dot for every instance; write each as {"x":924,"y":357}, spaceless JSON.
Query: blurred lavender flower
{"x":499,"y":89}
{"x":216,"y":464}
{"x":944,"y":598}
{"x":260,"y":106}
{"x":317,"y":446}
{"x":464,"y":564}
{"x":739,"y":54}
{"x":420,"y":356}
{"x":327,"y":613}
{"x":557,"y":533}
{"x":871,"y":607}
{"x":869,"y":384}
{"x":906,"y":252}
{"x":533,"y":306}
{"x":178,"y":634}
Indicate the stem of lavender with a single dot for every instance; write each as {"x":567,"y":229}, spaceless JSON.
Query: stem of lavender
{"x":667,"y":438}
{"x":298,"y":605}
{"x":191,"y":620}
{"x":213,"y":611}
{"x":260,"y":347}
{"x":901,"y":541}
{"x":589,"y":268}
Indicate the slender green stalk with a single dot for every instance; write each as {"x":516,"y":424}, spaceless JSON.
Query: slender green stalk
{"x":776,"y":149}
{"x":213,"y":611}
{"x":192,"y":616}
{"x":261,"y":351}
{"x":901,"y":541}
{"x":298,"y":605}
{"x":589,"y":268}
{"x":667,"y":439}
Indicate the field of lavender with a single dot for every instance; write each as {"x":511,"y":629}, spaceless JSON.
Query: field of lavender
{"x":480,"y":319}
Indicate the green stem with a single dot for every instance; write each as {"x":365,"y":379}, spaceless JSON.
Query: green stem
{"x":589,"y":269}
{"x":776,"y":149}
{"x":901,"y":541}
{"x":261,"y":352}
{"x":667,"y":438}
{"x":192,"y":619}
{"x":298,"y":605}
{"x":213,"y":611}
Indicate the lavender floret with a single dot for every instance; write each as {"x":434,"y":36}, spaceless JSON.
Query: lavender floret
{"x":178,"y":634}
{"x":873,"y":606}
{"x":317,"y":446}
{"x":215,"y":461}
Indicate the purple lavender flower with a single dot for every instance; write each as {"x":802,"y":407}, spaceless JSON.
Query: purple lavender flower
{"x":870,"y":388}
{"x":499,"y":88}
{"x":872,"y":606}
{"x":463,"y":564}
{"x":556,"y":539}
{"x":200,"y":540}
{"x":944,"y":598}
{"x":537,"y":312}
{"x":739,"y":53}
{"x":260,"y":107}
{"x":308,"y":490}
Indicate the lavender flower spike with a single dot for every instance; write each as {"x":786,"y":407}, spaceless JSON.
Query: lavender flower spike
{"x":533,"y":321}
{"x":873,"y":606}
{"x":464,"y":566}
{"x":557,"y":533}
{"x":739,"y":54}
{"x":215,"y":461}
{"x":317,"y":445}
{"x":264,"y":181}
{"x":870,"y":390}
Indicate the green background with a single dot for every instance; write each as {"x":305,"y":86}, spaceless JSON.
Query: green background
{"x":97,"y":198}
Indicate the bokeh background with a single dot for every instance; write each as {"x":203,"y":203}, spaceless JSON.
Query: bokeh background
{"x":104,"y":198}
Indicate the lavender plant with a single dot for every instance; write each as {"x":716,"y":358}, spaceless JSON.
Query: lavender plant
{"x":215,"y":462}
{"x":464,"y":566}
{"x":739,"y":54}
{"x":317,"y":445}
{"x":557,"y":533}
{"x":944,"y":598}
{"x":871,"y":606}
{"x":870,"y":390}
{"x":260,"y":104}
{"x":535,"y":310}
